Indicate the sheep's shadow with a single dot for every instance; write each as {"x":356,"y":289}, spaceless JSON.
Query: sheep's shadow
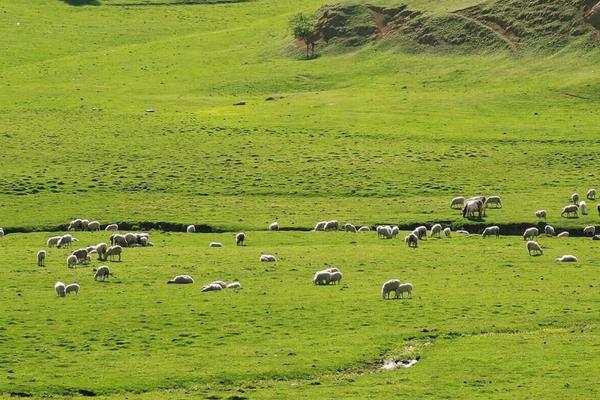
{"x":82,"y":2}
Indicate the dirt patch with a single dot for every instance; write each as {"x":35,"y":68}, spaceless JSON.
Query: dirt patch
{"x":391,"y":365}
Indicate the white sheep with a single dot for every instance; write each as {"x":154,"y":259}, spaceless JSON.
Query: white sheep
{"x":531,"y":233}
{"x":570,"y":210}
{"x":575,"y":198}
{"x":322,"y":277}
{"x":84,"y":224}
{"x":404,"y":288}
{"x":223,"y":284}
{"x":181,"y":279}
{"x":72,"y":288}
{"x":41,"y":258}
{"x":331,"y":225}
{"x":190,"y":229}
{"x":367,"y":229}
{"x":215,"y":244}
{"x":589,"y":230}
{"x":59,"y":287}
{"x":388,"y":287}
{"x":93,"y":226}
{"x":267,"y":258}
{"x":541,"y":214}
{"x":567,"y":258}
{"x":395,"y":231}
{"x":112,"y":252}
{"x":436,"y":230}
{"x":118,"y":239}
{"x":457,"y":201}
{"x":563,"y":235}
{"x":102,"y":272}
{"x":211,"y":288}
{"x":463,"y":232}
{"x":112,"y":227}
{"x":234,"y":285}
{"x":533,"y":246}
{"x":66,"y":241}
{"x":81,"y":254}
{"x":472,"y":207}
{"x":75,"y":225}
{"x":384,"y":232}
{"x":332,"y":270}
{"x":421,"y":232}
{"x":101,"y":250}
{"x":493,"y":200}
{"x":131,"y":239}
{"x":349,"y":227}
{"x":53,"y":241}
{"x":596,"y":237}
{"x":549,"y":230}
{"x":336,"y":277}
{"x":1,"y":232}
{"x":591,"y":194}
{"x":447,"y":231}
{"x":71,"y":261}
{"x":411,"y":240}
{"x":320,"y":226}
{"x":274,"y":226}
{"x":583,"y":207}
{"x":239,"y":238}
{"x":491,"y":230}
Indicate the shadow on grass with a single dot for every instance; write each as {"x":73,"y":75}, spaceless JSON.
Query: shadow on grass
{"x":82,"y":2}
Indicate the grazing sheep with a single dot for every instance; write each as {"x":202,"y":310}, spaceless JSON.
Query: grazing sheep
{"x":589,"y":230}
{"x":575,"y":198}
{"x":591,"y":194}
{"x":395,"y":231}
{"x":234,"y":285}
{"x":118,"y":239}
{"x":71,"y":261}
{"x":215,"y":244}
{"x":336,"y":277}
{"x":421,"y":232}
{"x":181,"y":279}
{"x":101,"y":250}
{"x":93,"y":226}
{"x":66,"y":241}
{"x":531,"y":233}
{"x":447,"y":232}
{"x":349,"y":228}
{"x":411,"y":240}
{"x":112,"y":227}
{"x":491,"y":230}
{"x":81,"y":254}
{"x":1,"y":232}
{"x":41,"y":258}
{"x":436,"y":230}
{"x":472,"y":207}
{"x":76,"y":225}
{"x":223,"y":284}
{"x":331,"y":226}
{"x":320,"y":226}
{"x":332,"y":270}
{"x":113,"y":251}
{"x":239,"y":238}
{"x":53,"y":241}
{"x":322,"y":277}
{"x":567,"y":258}
{"x":541,"y":214}
{"x":457,"y":202}
{"x":212,"y":287}
{"x":384,"y":232}
{"x":274,"y":226}
{"x":388,"y":287}
{"x":131,"y":239}
{"x":60,"y":289}
{"x":563,"y":235}
{"x":72,"y":288}
{"x":534,"y":247}
{"x":549,"y":230}
{"x":476,"y":198}
{"x":367,"y":229}
{"x":91,"y":249}
{"x":267,"y":258}
{"x":493,"y":200}
{"x":596,"y":237}
{"x":404,"y":288}
{"x":583,"y":207}
{"x":190,"y":229}
{"x":84,"y":224}
{"x":144,"y":242}
{"x":570,"y":210}
{"x":102,"y":272}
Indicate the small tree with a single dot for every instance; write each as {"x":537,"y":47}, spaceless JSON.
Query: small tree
{"x":303,"y":28}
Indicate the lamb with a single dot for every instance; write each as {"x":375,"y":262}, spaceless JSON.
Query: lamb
{"x":534,"y":247}
{"x":575,"y":198}
{"x":336,"y":277}
{"x":320,"y":226}
{"x":117,"y":239}
{"x":267,"y":258}
{"x":331,"y":226}
{"x":41,"y":258}
{"x":411,"y":240}
{"x":72,"y":288}
{"x":491,"y":230}
{"x":404,"y":288}
{"x":239,"y":238}
{"x":322,"y":277}
{"x":71,"y":261}
{"x":93,"y":226}
{"x":112,"y":252}
{"x":53,"y":241}
{"x":447,"y":232}
{"x":181,"y":279}
{"x":583,"y":207}
{"x":211,"y":288}
{"x":421,"y":232}
{"x":215,"y":244}
{"x":234,"y":285}
{"x":549,"y":230}
{"x":567,"y":258}
{"x":274,"y":226}
{"x":102,"y":272}
{"x":563,"y":235}
{"x":541,"y":214}
{"x":388,"y":287}
{"x":493,"y":200}
{"x":570,"y":210}
{"x":190,"y":229}
{"x":436,"y":230}
{"x":472,"y":207}
{"x":457,"y":202}
{"x":589,"y":230}
{"x":112,"y":227}
{"x":60,"y":289}
{"x":367,"y":229}
{"x":349,"y":228}
{"x":530,"y":233}
{"x":591,"y":194}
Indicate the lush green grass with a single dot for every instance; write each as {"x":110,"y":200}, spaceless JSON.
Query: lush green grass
{"x":476,"y":303}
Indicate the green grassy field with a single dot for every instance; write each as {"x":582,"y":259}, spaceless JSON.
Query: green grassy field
{"x":387,"y":132}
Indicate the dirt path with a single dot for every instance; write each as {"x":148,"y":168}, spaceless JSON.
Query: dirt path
{"x":493,"y":28}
